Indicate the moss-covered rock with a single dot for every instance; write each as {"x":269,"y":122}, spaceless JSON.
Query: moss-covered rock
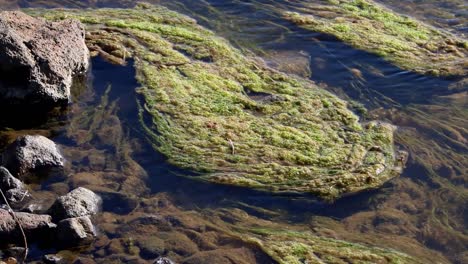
{"x":406,"y":42}
{"x":229,"y":117}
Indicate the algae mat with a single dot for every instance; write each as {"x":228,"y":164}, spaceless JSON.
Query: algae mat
{"x":232,"y":119}
{"x":404,"y":41}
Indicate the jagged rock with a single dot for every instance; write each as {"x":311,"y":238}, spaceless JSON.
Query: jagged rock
{"x":76,"y":231}
{"x":39,"y":58}
{"x":31,"y":224}
{"x":14,"y":190}
{"x":79,"y":202}
{"x":31,"y":153}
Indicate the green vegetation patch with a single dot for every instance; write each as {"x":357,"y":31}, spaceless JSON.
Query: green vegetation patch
{"x":294,"y":247}
{"x":404,"y":41}
{"x":215,"y":111}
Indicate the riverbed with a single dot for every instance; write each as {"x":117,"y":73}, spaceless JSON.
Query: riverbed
{"x":421,"y":213}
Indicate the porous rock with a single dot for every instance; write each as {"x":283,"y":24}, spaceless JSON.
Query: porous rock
{"x":31,"y":223}
{"x":31,"y":153}
{"x":38,"y":59}
{"x":13,"y":189}
{"x":77,"y":203}
{"x":76,"y":231}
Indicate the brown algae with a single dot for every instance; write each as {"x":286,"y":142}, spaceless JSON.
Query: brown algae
{"x":231,"y":118}
{"x":404,"y":41}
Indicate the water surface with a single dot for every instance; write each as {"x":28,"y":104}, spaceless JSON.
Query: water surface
{"x":422,"y":213}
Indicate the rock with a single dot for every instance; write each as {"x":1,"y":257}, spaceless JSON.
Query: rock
{"x":151,"y":247}
{"x":78,"y":231}
{"x":117,"y":202}
{"x":31,"y":154}
{"x":14,"y":190}
{"x":163,"y":261}
{"x":83,"y":260}
{"x":14,"y":252}
{"x":31,"y":223}
{"x":40,"y":58}
{"x":79,"y":202}
{"x":11,"y":260}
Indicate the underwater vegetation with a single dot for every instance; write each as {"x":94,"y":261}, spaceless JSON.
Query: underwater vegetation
{"x":404,"y":41}
{"x":422,"y":211}
{"x":232,"y":119}
{"x":447,"y":14}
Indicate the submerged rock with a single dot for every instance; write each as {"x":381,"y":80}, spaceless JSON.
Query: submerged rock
{"x":77,"y":203}
{"x":30,"y":154}
{"x":76,"y":231}
{"x":201,"y":100}
{"x":14,"y":190}
{"x":38,"y":59}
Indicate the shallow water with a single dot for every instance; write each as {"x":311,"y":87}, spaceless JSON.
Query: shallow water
{"x":422,"y":213}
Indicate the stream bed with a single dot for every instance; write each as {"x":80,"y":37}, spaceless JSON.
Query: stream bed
{"x":151,"y":208}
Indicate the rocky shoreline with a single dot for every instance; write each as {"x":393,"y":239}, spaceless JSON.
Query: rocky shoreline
{"x":67,"y":223}
{"x":38,"y":61}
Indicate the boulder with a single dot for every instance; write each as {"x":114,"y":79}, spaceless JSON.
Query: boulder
{"x":31,"y":223}
{"x":38,"y":59}
{"x":78,"y":231}
{"x":31,"y":153}
{"x":14,"y":190}
{"x":77,"y":203}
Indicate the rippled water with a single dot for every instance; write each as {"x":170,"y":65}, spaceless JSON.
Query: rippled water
{"x":422,"y":213}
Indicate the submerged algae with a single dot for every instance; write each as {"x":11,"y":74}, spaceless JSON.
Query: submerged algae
{"x":229,"y":117}
{"x":159,"y":227}
{"x":406,"y":42}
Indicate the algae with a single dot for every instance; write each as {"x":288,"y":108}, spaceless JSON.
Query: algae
{"x":226,"y":235}
{"x":232,"y":119}
{"x":447,"y":14}
{"x":404,"y":41}
{"x":422,"y":211}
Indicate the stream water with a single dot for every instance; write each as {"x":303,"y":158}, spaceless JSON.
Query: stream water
{"x":423,"y":212}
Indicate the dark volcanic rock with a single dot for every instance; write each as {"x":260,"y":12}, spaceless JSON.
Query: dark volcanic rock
{"x":39,"y":58}
{"x":79,"y":202}
{"x":31,"y":153}
{"x":78,"y":231}
{"x":31,"y":223}
{"x":13,"y":189}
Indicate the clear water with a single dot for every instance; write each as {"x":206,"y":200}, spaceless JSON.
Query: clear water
{"x":422,"y":213}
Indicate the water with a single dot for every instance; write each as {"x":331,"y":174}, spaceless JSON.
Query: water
{"x":423,"y":212}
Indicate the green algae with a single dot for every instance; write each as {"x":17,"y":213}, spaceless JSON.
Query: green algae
{"x":432,"y":211}
{"x":289,"y":247}
{"x":232,"y":119}
{"x":447,"y":14}
{"x":214,"y":230}
{"x":406,"y":42}
{"x":288,"y":244}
